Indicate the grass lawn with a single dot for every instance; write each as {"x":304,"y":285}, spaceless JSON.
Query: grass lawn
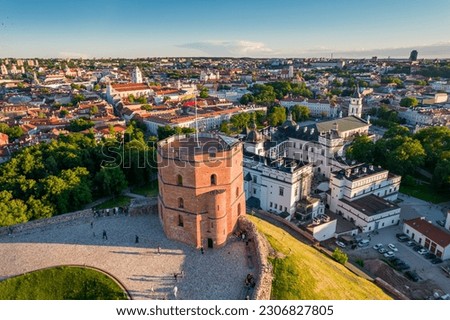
{"x":61,"y":283}
{"x":303,"y":273}
{"x":149,"y":190}
{"x":425,"y":192}
{"x":119,"y":201}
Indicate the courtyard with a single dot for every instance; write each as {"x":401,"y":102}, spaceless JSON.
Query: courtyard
{"x":129,"y":252}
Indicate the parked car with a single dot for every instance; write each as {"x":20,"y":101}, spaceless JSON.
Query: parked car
{"x":340,"y":244}
{"x":392,"y":247}
{"x":389,"y":254}
{"x":411,"y":275}
{"x":363,"y":243}
{"x":410,"y":243}
{"x":417,"y":247}
{"x":378,"y":246}
{"x":382,"y":250}
{"x":429,"y":256}
{"x":402,"y":237}
{"x":402,"y":267}
{"x":422,"y":251}
{"x":436,"y":260}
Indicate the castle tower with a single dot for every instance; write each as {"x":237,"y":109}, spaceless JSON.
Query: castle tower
{"x":355,"y":106}
{"x":201,"y":187}
{"x":136,"y":75}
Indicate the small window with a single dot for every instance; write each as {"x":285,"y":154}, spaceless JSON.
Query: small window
{"x":180,"y":221}
{"x":180,"y":203}
{"x":254,"y":191}
{"x":255,"y":179}
{"x":213,"y":179}
{"x":281,"y":193}
{"x":407,"y":231}
{"x":276,"y":206}
{"x":271,"y":204}
{"x":179,"y":180}
{"x":237,"y":192}
{"x":239,"y":209}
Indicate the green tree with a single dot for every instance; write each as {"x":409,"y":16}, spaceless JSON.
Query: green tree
{"x":406,"y":157}
{"x":146,"y":107}
{"x":247,"y":98}
{"x":63,"y":113}
{"x":94,"y":110}
{"x":277,"y":116}
{"x":110,"y":181}
{"x":78,"y":98}
{"x":340,"y":256}
{"x":362,"y":149}
{"x":80,"y":124}
{"x":204,"y":93}
{"x":37,"y":209}
{"x":300,"y":113}
{"x":225,"y":127}
{"x":409,"y":102}
{"x":435,"y":141}
{"x":97,"y":87}
{"x":12,"y":211}
{"x":397,"y":130}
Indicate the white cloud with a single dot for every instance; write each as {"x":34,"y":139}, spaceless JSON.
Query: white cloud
{"x":236,"y":48}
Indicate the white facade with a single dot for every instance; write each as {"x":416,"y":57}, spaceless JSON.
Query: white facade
{"x":136,"y":76}
{"x":318,"y":108}
{"x":434,"y":239}
{"x":364,"y":195}
{"x":278,"y":186}
{"x":355,"y":106}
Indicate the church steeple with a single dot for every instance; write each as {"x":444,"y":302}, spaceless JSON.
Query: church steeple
{"x":355,"y":106}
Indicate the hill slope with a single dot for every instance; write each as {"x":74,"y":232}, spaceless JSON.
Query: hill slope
{"x":306,"y":274}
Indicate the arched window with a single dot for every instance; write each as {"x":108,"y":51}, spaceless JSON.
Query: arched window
{"x":237,"y":192}
{"x":179,"y":180}
{"x":213,"y":179}
{"x":180,"y":220}
{"x":239,"y":209}
{"x":180,"y":203}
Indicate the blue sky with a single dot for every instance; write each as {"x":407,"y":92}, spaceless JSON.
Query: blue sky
{"x":263,"y":28}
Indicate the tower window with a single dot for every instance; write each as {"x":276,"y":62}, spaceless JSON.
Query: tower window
{"x":281,"y":191}
{"x":179,"y":180}
{"x":213,"y":179}
{"x":237,"y":192}
{"x":239,"y":209}
{"x":180,"y":203}
{"x":180,"y":221}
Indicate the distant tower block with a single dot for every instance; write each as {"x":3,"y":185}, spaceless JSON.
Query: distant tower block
{"x":136,"y":76}
{"x":291,"y":72}
{"x":413,"y":55}
{"x":355,"y":107}
{"x":201,"y":187}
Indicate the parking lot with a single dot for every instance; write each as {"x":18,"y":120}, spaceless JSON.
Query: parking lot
{"x":430,"y":274}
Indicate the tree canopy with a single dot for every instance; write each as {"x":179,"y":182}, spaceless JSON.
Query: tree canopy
{"x":409,"y":102}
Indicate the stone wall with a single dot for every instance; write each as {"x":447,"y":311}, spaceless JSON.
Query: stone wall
{"x":142,"y":206}
{"x":42,"y":223}
{"x":262,"y":250}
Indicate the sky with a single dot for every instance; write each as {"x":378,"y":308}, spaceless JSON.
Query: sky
{"x":217,"y":28}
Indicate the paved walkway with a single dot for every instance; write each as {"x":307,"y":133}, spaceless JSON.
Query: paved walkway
{"x":218,"y":274}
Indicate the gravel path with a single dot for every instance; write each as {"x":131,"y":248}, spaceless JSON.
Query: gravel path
{"x":217,"y":274}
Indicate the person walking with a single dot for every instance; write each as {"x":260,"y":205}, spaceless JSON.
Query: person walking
{"x":175,"y":291}
{"x":105,"y":236}
{"x":137,"y":239}
{"x":202,"y":250}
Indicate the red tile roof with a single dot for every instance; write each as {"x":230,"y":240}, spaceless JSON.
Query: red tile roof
{"x":434,"y":233}
{"x":130,"y":86}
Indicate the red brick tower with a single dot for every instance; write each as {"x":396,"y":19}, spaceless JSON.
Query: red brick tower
{"x":201,"y":191}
